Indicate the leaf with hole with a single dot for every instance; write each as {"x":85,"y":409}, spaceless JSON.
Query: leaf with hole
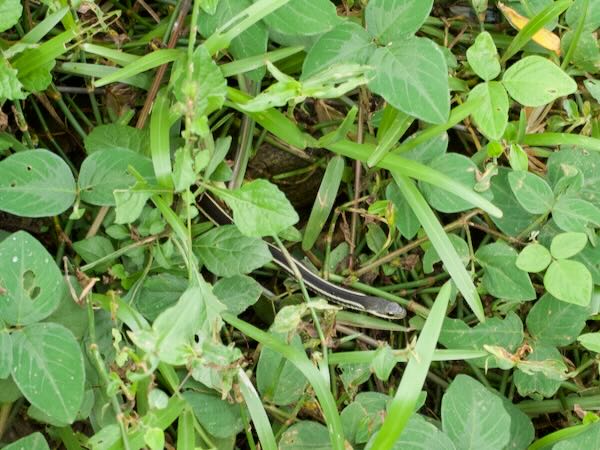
{"x":535,"y":81}
{"x":35,"y":183}
{"x":412,"y":76}
{"x":32,"y":284}
{"x":569,"y":281}
{"x":48,"y":368}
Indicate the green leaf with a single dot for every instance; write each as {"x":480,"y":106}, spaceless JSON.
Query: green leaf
{"x":537,"y":382}
{"x":94,"y":248}
{"x":413,"y":69}
{"x":115,"y":136}
{"x":531,"y":191}
{"x":535,"y":81}
{"x":390,"y":21}
{"x":277,"y":379}
{"x":6,"y":351}
{"x":492,"y":115}
{"x":515,"y":219}
{"x":421,"y":434}
{"x":587,"y":439}
{"x":259,"y":208}
{"x":574,"y":214}
{"x":363,"y":416}
{"x":346,"y":43}
{"x":219,"y":417}
{"x":463,"y":171}
{"x":565,"y":245}
{"x":301,"y":22}
{"x":105,"y":171}
{"x":591,"y":341}
{"x":483,"y":57}
{"x":522,"y":432}
{"x":569,"y":281}
{"x":48,"y":368}
{"x":251,"y":42}
{"x":160,"y":292}
{"x":502,"y":278}
{"x":35,"y":441}
{"x":431,"y":256}
{"x":506,"y":333}
{"x":237,"y":293}
{"x":35,"y":183}
{"x":32,"y":284}
{"x":328,"y":191}
{"x":563,"y":162}
{"x":405,"y":219}
{"x":10,"y":86}
{"x":473,"y":417}
{"x":586,"y":54}
{"x":534,"y":258}
{"x":10,"y":13}
{"x":304,"y":435}
{"x":554,"y":322}
{"x":592,"y":18}
{"x":227,"y":252}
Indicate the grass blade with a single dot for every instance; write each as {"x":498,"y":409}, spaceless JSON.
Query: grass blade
{"x":556,"y":139}
{"x":439,"y":239}
{"x":257,"y":412}
{"x":403,"y":405}
{"x":302,"y":363}
{"x":395,"y":131}
{"x":326,"y":196}
{"x":240,"y":66}
{"x":141,"y":80}
{"x":160,"y":147}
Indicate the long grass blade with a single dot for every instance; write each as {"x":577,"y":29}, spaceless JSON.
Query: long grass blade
{"x":257,"y":412}
{"x":146,"y":62}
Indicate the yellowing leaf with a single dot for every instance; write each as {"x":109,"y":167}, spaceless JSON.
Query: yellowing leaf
{"x":543,"y":37}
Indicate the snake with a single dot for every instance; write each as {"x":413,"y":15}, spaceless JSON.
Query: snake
{"x":339,"y":295}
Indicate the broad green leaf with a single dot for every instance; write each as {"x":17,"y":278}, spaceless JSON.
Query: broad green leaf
{"x":94,"y":248}
{"x":413,"y":69}
{"x":32,"y":284}
{"x":531,"y":191}
{"x":554,"y":322}
{"x":10,"y":86}
{"x":10,"y":13}
{"x":535,"y":81}
{"x":114,"y":136}
{"x":534,"y":258}
{"x":421,"y":434}
{"x":586,"y":55}
{"x":463,"y":170}
{"x":591,"y":341}
{"x":363,"y":416}
{"x":506,"y":333}
{"x":219,"y":417}
{"x":277,"y":379}
{"x":9,"y":391}
{"x":35,"y":441}
{"x":227,"y":252}
{"x":574,"y":214}
{"x":563,"y":162}
{"x":537,"y":382}
{"x":304,"y":435}
{"x":71,"y":314}
{"x":517,"y":158}
{"x":105,"y":171}
{"x":566,"y":245}
{"x":346,"y":43}
{"x":301,"y":22}
{"x":160,"y":292}
{"x":483,"y":57}
{"x":237,"y":293}
{"x":251,"y":42}
{"x":492,"y":115}
{"x":405,"y":219}
{"x":593,"y":87}
{"x":259,"y":208}
{"x":502,"y":278}
{"x":129,"y":205}
{"x":592,"y":18}
{"x":473,"y":417}
{"x":48,"y":368}
{"x":569,"y":281}
{"x":35,"y":183}
{"x":323,"y":205}
{"x":6,"y":352}
{"x":391,"y":21}
{"x":428,"y":150}
{"x":522,"y":432}
{"x":515,"y":219}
